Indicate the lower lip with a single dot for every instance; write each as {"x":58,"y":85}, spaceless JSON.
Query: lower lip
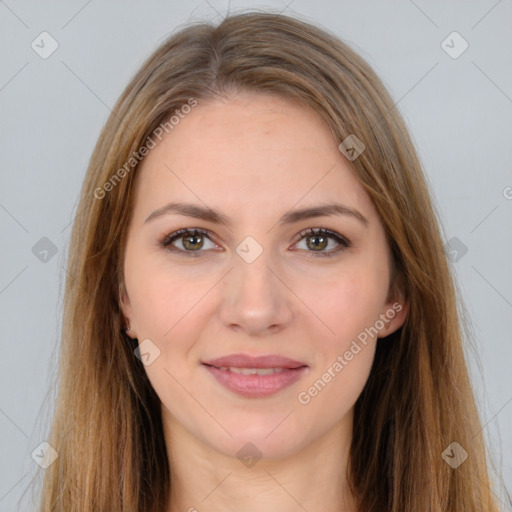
{"x":256,"y":386}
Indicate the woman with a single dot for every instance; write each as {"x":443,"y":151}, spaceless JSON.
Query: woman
{"x":259,"y":313}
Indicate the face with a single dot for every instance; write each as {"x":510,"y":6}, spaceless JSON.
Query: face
{"x":251,"y":277}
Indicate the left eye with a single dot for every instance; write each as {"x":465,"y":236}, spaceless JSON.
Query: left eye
{"x":318,"y":240}
{"x":193,"y":240}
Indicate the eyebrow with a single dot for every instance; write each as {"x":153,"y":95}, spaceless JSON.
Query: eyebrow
{"x":208,"y":214}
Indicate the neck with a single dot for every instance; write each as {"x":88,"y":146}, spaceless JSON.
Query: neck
{"x":313,"y":479}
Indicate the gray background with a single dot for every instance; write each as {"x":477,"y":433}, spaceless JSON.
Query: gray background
{"x":459,"y":111}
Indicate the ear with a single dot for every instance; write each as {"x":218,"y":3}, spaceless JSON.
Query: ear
{"x":126,"y":309}
{"x":394,"y":315}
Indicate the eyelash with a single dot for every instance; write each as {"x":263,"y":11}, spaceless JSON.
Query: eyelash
{"x":344,"y":243}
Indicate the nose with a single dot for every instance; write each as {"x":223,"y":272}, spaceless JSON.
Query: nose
{"x":256,"y":299}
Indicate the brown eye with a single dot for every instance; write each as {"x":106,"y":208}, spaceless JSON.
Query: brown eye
{"x":187,"y":241}
{"x":318,"y":240}
{"x":193,"y":242}
{"x":315,"y":242}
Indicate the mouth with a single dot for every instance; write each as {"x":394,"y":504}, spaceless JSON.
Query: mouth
{"x":255,"y":377}
{"x":251,"y":371}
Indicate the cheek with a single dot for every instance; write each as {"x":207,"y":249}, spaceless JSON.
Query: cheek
{"x":162,"y":298}
{"x":350,"y":306}
{"x":169,"y":313}
{"x":351,"y":302}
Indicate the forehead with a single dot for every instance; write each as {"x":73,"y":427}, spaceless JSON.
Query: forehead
{"x":248,"y":152}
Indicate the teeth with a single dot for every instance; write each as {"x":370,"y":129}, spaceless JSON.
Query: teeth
{"x":253,"y":371}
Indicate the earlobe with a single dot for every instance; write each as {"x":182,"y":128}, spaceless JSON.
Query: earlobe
{"x":393,"y":317}
{"x":125,"y":306}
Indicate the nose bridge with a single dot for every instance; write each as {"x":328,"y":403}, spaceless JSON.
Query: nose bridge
{"x":254,"y":299}
{"x":252,"y":276}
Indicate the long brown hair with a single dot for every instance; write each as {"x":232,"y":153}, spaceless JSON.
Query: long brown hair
{"x":107,"y":427}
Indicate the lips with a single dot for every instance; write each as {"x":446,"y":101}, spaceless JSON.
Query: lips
{"x":244,"y":361}
{"x":255,"y":377}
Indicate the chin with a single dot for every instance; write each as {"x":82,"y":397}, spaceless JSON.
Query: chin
{"x":269,"y":438}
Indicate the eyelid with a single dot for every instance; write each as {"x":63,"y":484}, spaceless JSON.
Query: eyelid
{"x":168,"y":239}
{"x":342,"y":241}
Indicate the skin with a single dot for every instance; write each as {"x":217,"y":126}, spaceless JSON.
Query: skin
{"x":255,"y":157}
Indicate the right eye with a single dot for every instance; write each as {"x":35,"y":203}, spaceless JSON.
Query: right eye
{"x":191,"y":241}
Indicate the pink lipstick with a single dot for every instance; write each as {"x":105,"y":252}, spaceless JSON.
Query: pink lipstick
{"x":255,"y":377}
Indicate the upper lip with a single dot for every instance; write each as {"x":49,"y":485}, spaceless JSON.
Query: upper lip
{"x":245,"y":361}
